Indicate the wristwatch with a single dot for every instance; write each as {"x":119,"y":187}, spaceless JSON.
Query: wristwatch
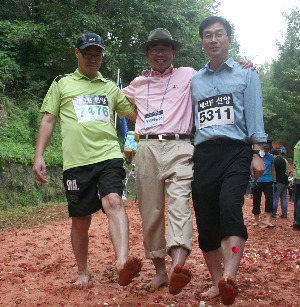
{"x":260,"y":152}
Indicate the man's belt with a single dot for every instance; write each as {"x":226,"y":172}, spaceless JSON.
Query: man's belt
{"x":165,"y":137}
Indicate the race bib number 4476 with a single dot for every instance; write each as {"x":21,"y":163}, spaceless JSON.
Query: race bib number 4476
{"x":216,"y":110}
{"x":91,"y":107}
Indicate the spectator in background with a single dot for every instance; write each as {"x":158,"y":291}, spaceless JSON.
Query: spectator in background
{"x":296,"y":224}
{"x":282,"y":185}
{"x":291,"y":187}
{"x":266,"y":183}
{"x":287,"y":169}
{"x":249,"y":188}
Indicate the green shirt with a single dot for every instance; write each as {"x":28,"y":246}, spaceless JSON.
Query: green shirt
{"x":296,"y":173}
{"x":86,"y":115}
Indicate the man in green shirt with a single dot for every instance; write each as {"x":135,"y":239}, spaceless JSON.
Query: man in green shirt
{"x":296,"y":225}
{"x":92,"y":160}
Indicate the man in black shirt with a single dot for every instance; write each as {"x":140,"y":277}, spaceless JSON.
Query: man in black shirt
{"x":282,"y":185}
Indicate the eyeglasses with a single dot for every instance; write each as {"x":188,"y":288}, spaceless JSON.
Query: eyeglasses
{"x":90,"y":56}
{"x":158,"y":51}
{"x":218,"y":36}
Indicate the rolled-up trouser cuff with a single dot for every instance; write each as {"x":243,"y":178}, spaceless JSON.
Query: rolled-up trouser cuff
{"x":156,"y":254}
{"x":184,"y":242}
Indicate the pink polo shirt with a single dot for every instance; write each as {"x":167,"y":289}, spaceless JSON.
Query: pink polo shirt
{"x":177,"y":103}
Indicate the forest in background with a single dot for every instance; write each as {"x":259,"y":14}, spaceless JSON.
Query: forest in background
{"x":37,"y":40}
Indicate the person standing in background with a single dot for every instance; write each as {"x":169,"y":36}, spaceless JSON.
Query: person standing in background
{"x":296,"y":224}
{"x":291,"y":186}
{"x":282,"y":185}
{"x":267,"y":184}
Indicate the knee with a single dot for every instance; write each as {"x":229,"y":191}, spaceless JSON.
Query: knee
{"x":112,"y":203}
{"x":81,"y":224}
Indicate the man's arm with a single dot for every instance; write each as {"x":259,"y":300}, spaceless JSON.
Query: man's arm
{"x":132,"y":116}
{"x":44,"y":136}
{"x":257,"y":166}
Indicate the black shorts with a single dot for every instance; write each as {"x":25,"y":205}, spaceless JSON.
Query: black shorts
{"x":86,"y":185}
{"x":221,"y":175}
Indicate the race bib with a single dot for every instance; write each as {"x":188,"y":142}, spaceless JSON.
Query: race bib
{"x":216,"y":110}
{"x":153,"y":119}
{"x":91,"y":107}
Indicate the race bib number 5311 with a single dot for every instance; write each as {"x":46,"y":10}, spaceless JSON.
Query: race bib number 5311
{"x":91,"y":107}
{"x":216,"y":110}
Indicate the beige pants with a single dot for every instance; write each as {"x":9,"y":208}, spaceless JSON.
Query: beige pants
{"x":164,"y":166}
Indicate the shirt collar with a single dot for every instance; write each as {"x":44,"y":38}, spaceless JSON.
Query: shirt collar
{"x":77,"y":75}
{"x":229,"y":63}
{"x":166,"y":72}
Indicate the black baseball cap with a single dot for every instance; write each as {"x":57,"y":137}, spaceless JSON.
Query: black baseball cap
{"x":90,"y":39}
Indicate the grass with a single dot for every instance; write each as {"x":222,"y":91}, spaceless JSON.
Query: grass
{"x":26,"y":217}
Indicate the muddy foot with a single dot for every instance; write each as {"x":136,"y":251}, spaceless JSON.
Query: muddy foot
{"x":180,"y":277}
{"x":82,"y":281}
{"x":131,"y":269}
{"x":228,"y":290}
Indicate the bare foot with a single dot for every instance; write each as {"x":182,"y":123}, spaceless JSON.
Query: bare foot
{"x":269,"y":225}
{"x":211,"y":292}
{"x":157,"y":282}
{"x":228,"y":290}
{"x":83,"y":280}
{"x":180,"y":277}
{"x":131,"y":269}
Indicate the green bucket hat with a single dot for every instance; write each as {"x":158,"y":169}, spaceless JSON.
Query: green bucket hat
{"x":159,"y":35}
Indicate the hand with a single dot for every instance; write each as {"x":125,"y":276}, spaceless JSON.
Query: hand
{"x":274,"y":187}
{"x":145,"y":73}
{"x":257,"y":167}
{"x":247,"y":64}
{"x":39,"y":169}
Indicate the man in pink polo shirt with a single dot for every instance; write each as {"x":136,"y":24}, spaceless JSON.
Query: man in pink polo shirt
{"x":164,"y":159}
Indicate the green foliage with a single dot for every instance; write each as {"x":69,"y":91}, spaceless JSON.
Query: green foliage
{"x":18,"y":136}
{"x":281,"y":86}
{"x":37,"y":41}
{"x":41,"y":41}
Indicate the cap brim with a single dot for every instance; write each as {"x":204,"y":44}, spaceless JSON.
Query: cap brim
{"x":91,"y":44}
{"x":144,"y":46}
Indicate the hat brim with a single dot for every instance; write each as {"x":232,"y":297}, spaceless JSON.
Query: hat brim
{"x":144,"y":46}
{"x":267,"y":146}
{"x":91,"y":44}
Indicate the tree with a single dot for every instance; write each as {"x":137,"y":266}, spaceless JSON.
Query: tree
{"x":281,"y":86}
{"x":42,"y":34}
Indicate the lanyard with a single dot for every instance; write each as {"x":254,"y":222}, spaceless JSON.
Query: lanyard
{"x":164,"y":92}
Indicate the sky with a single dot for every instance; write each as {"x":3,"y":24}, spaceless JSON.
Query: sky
{"x":258,"y":23}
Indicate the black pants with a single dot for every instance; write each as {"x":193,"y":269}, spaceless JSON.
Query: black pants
{"x":221,"y":175}
{"x":257,"y":191}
